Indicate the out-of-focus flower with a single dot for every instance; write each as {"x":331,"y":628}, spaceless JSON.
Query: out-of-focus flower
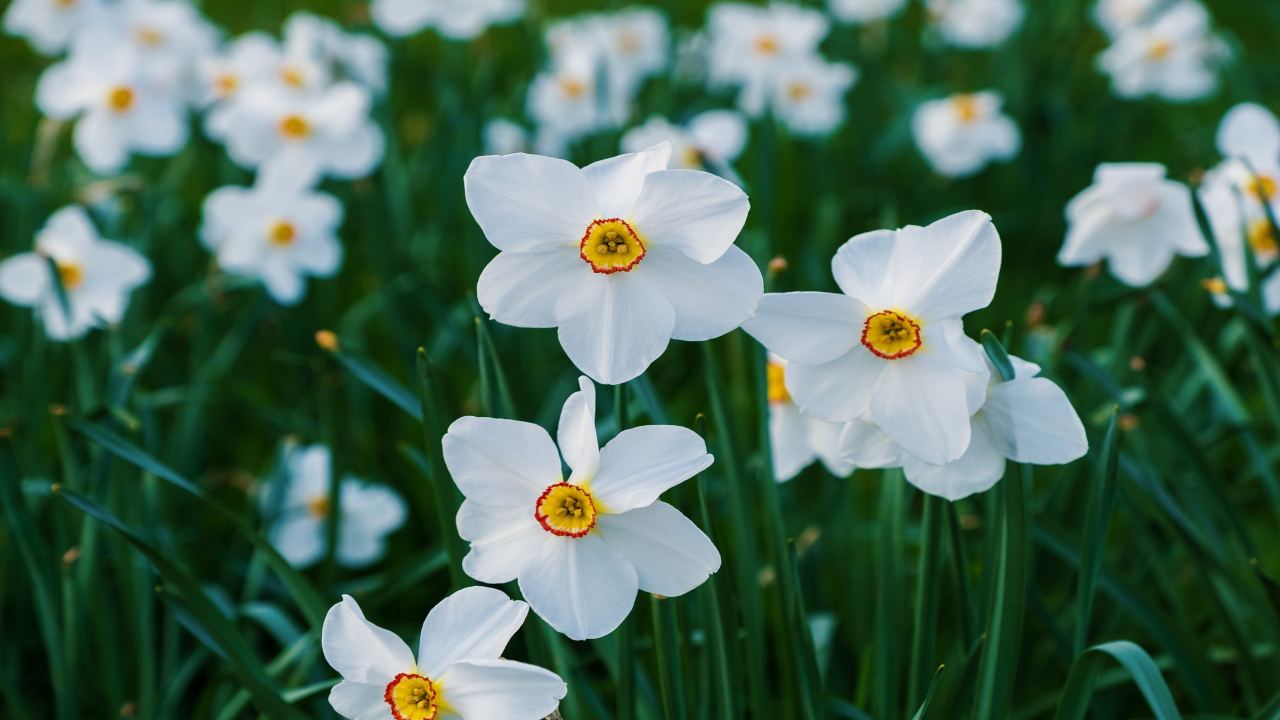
{"x":1136,"y":219}
{"x":565,"y":101}
{"x":360,"y":58}
{"x":455,"y":19}
{"x":503,"y":137}
{"x":300,"y":504}
{"x":795,"y":439}
{"x":711,"y":140}
{"x":621,"y":256}
{"x":975,"y":23}
{"x":864,"y":11}
{"x":1117,"y":16}
{"x":1027,"y":419}
{"x":892,"y":347}
{"x":458,"y":672}
{"x":1173,"y":56}
{"x":808,"y":95}
{"x":750,"y":47}
{"x":49,"y":24}
{"x":96,"y":276}
{"x":580,"y":548}
{"x":279,"y":231}
{"x":244,"y":62}
{"x":627,"y":46}
{"x":119,"y":111}
{"x":168,"y":36}
{"x":961,"y":134}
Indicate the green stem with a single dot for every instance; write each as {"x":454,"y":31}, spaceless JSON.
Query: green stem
{"x":923,"y":664}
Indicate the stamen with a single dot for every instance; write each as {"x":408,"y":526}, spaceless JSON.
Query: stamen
{"x":411,"y":697}
{"x":121,"y":98}
{"x":775,"y":378}
{"x":891,"y":335}
{"x":70,"y":273}
{"x":566,"y":510}
{"x":282,"y":233}
{"x":1262,"y":239}
{"x":966,"y":107}
{"x":611,"y":246}
{"x":295,"y":127}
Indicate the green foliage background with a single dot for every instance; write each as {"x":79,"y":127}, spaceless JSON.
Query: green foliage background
{"x":136,"y":589}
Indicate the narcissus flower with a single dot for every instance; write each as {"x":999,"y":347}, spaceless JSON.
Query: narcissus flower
{"x":620,"y":256}
{"x":1117,"y":16}
{"x":1027,"y":419}
{"x":712,"y":140}
{"x":1173,"y":56}
{"x":279,"y":231}
{"x":808,"y":95}
{"x":961,"y":134}
{"x":96,"y":276}
{"x":975,"y":23}
{"x":751,"y":45}
{"x":49,"y":24}
{"x":581,"y":547}
{"x":458,"y":673}
{"x":795,"y":439}
{"x":892,"y":347}
{"x":1136,"y":219}
{"x":455,"y":19}
{"x":299,"y":505}
{"x":864,"y":11}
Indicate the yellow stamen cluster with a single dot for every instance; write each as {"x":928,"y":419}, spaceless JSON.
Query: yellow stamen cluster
{"x":1159,"y":49}
{"x":775,"y":378}
{"x":891,"y":335}
{"x":573,"y":88}
{"x":282,"y":233}
{"x":121,"y":98}
{"x":295,"y":127}
{"x":566,"y":510}
{"x":319,"y":507}
{"x":226,"y":84}
{"x":70,"y":273}
{"x":1262,"y":187}
{"x":1262,"y":238}
{"x":292,"y":77}
{"x":149,"y":36}
{"x":966,"y":107}
{"x":798,"y":91}
{"x":411,"y":697}
{"x":767,"y":45}
{"x":611,"y":245}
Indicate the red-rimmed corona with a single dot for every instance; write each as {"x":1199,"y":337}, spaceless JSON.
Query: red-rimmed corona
{"x":611,"y":245}
{"x":566,"y":510}
{"x":891,"y":335}
{"x":411,"y":697}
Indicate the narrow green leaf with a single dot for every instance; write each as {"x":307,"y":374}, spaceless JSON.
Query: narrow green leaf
{"x":374,"y":378}
{"x":997,"y":354}
{"x":999,"y":664}
{"x":1146,"y":676}
{"x":446,"y":495}
{"x":1097,"y":520}
{"x":928,"y":697}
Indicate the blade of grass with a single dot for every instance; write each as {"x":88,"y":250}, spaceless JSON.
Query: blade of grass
{"x":999,"y":665}
{"x":446,"y":495}
{"x":1078,"y":692}
{"x":1097,"y":520}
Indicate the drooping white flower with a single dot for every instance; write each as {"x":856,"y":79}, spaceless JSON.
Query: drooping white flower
{"x":1136,"y":219}
{"x":458,"y":673}
{"x":455,"y":19}
{"x":580,"y":548}
{"x":1117,"y":16}
{"x":1027,"y":419}
{"x":864,"y":11}
{"x":892,"y":347}
{"x":49,"y":24}
{"x":1173,"y":56}
{"x":750,"y":47}
{"x":299,"y":504}
{"x":808,"y":95}
{"x":975,"y":23}
{"x":96,"y":275}
{"x":795,"y":439}
{"x":711,"y":140}
{"x":118,"y":110}
{"x":279,"y":231}
{"x":961,"y":134}
{"x":621,"y":256}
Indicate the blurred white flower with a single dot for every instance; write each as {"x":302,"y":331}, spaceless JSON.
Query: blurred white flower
{"x":49,"y":24}
{"x":119,"y":110}
{"x":564,"y":100}
{"x":808,"y":95}
{"x":323,"y":133}
{"x":299,"y":505}
{"x":242,"y":63}
{"x":795,"y":439}
{"x":279,"y":231}
{"x":360,"y":58}
{"x":458,"y":672}
{"x":620,"y":256}
{"x":864,"y":11}
{"x":1027,"y":420}
{"x":712,"y":140}
{"x":975,"y":23}
{"x":625,"y":47}
{"x":579,"y":548}
{"x":169,"y":36}
{"x":751,"y":45}
{"x":1136,"y":219}
{"x":96,"y":275}
{"x":503,"y":136}
{"x":892,"y":347}
{"x":455,"y":19}
{"x":1117,"y":16}
{"x":961,"y":134}
{"x":1173,"y":56}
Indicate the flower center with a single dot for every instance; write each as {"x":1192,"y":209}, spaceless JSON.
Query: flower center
{"x":891,"y":335}
{"x":295,"y":127}
{"x":64,"y":4}
{"x":1159,"y":49}
{"x":767,"y":45}
{"x":691,"y":157}
{"x":1262,"y":187}
{"x":628,"y":43}
{"x":573,"y":88}
{"x":226,"y":84}
{"x":775,"y":379}
{"x":966,"y":107}
{"x":70,"y":274}
{"x":411,"y":697}
{"x":282,"y":233}
{"x":1262,"y":239}
{"x":565,"y":510}
{"x":799,"y":91}
{"x":318,"y":507}
{"x":120,"y":98}
{"x":149,"y":36}
{"x":292,"y":77}
{"x":611,"y":245}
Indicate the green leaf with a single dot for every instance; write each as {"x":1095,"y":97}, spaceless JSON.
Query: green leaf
{"x":997,"y":354}
{"x":998,"y":667}
{"x":377,"y":380}
{"x":1146,"y":676}
{"x":928,"y":697}
{"x":1101,"y":500}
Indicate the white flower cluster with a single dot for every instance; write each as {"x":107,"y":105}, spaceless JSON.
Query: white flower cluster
{"x":1160,"y":49}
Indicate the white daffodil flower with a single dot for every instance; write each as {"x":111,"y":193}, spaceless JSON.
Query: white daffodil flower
{"x":580,"y":548}
{"x":975,"y":23}
{"x":324,"y":133}
{"x":864,"y":11}
{"x":299,"y":504}
{"x":279,"y":231}
{"x":795,"y":439}
{"x":119,"y":110}
{"x":96,"y":275}
{"x":1028,"y":420}
{"x":503,"y":136}
{"x":564,"y":100}
{"x":1173,"y":56}
{"x":49,"y":24}
{"x":361,"y":58}
{"x":455,"y":19}
{"x":808,"y":95}
{"x":1117,"y":16}
{"x":621,"y":256}
{"x":892,"y":346}
{"x":961,"y":134}
{"x":751,"y":45}
{"x":1136,"y":219}
{"x":459,"y":673}
{"x":624,"y":47}
{"x":712,"y":140}
{"x":169,"y":36}
{"x":244,"y":62}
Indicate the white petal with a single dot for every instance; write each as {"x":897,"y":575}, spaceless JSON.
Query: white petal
{"x":641,"y":463}
{"x":862,"y":266}
{"x":1032,"y":421}
{"x":501,"y":690}
{"x":529,"y":202}
{"x":503,"y":539}
{"x":100,"y":141}
{"x":824,"y":438}
{"x":25,"y":279}
{"x":582,"y":587}
{"x":358,"y":701}
{"x":618,"y":180}
{"x":867,"y":446}
{"x":807,"y":327}
{"x":614,"y":326}
{"x":359,"y":650}
{"x":576,"y":434}
{"x":158,"y":127}
{"x":299,"y":539}
{"x":922,"y":404}
{"x":981,"y":467}
{"x":284,"y":283}
{"x":696,"y":212}
{"x":788,"y":441}
{"x":356,"y":155}
{"x":1249,"y":131}
{"x":500,"y":462}
{"x":720,"y":133}
{"x":522,"y":289}
{"x":839,"y":390}
{"x":709,"y":300}
{"x":948,"y":268}
{"x":474,"y":623}
{"x":670,"y":554}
